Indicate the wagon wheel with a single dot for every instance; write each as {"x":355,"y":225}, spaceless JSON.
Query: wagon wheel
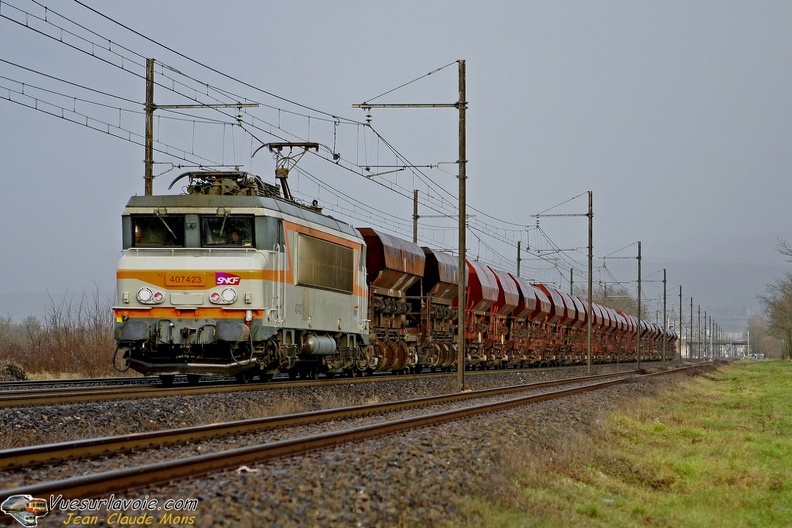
{"x":387,"y":354}
{"x":393,"y":355}
{"x":401,"y":353}
{"x":448,"y":355}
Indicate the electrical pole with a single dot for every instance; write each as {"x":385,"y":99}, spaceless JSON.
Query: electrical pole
{"x":706,"y":336}
{"x":149,"y":154}
{"x":638,"y":344}
{"x":698,"y":332}
{"x":461,"y":106}
{"x":690,"y":331}
{"x":590,"y":216}
{"x":679,"y":339}
{"x":150,"y":107}
{"x":519,"y":258}
{"x":590,"y":272}
{"x":415,"y":216}
{"x":665,"y":321}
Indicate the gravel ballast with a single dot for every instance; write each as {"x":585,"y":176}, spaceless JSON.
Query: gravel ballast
{"x":417,"y":478}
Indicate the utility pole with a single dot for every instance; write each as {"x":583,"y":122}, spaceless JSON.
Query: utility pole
{"x":638,"y":345}
{"x":665,"y":321}
{"x":690,"y":331}
{"x":461,"y":106}
{"x":679,"y":339}
{"x":150,"y":107}
{"x":698,"y":332}
{"x":590,"y":216}
{"x":519,"y":258}
{"x":149,"y":155}
{"x":706,"y":336}
{"x":415,"y":216}
{"x":590,"y":272}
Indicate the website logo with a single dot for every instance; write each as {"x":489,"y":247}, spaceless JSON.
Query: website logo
{"x":25,"y":509}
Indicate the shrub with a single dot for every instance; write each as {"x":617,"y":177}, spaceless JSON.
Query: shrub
{"x":74,"y":340}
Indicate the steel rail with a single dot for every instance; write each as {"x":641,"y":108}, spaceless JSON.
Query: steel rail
{"x":141,"y":476}
{"x":129,"y":380}
{"x":30,"y":456}
{"x":58,"y":396}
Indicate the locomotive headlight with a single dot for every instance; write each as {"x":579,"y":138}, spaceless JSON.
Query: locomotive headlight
{"x":147,"y":296}
{"x":229,"y":295}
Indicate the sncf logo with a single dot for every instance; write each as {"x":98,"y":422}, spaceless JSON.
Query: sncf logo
{"x":227,"y":279}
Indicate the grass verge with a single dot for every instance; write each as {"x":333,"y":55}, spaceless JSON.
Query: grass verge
{"x":716,"y":450}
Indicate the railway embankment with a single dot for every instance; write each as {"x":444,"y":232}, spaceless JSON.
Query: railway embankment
{"x":709,"y":450}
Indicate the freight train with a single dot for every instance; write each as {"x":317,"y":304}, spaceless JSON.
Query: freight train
{"x":233,"y":277}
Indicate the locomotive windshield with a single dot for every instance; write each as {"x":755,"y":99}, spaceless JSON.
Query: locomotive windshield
{"x":227,"y":231}
{"x":158,"y":230}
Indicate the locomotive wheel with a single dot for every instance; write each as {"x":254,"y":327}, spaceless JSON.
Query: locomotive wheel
{"x":193,"y":379}
{"x":166,"y":379}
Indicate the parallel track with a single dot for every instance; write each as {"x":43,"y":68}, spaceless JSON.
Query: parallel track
{"x":87,"y":394}
{"x":124,"y":479}
{"x":55,"y":453}
{"x":8,"y":386}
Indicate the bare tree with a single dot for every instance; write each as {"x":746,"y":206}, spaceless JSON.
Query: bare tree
{"x":615,"y":297}
{"x":785,"y":248}
{"x":761,"y":340}
{"x":778,"y":307}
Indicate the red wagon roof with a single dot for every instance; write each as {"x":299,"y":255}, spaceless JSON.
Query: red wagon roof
{"x":441,"y":279}
{"x":482,"y":287}
{"x":533,"y":304}
{"x":391,"y":263}
{"x":509,"y":293}
{"x":557,"y":308}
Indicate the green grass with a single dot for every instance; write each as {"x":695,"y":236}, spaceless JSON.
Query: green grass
{"x":714,"y":450}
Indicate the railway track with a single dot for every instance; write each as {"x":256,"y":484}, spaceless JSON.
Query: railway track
{"x":124,"y":479}
{"x":82,"y":391}
{"x":8,"y":386}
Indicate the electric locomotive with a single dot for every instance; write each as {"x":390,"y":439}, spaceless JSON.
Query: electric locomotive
{"x":234,"y":278}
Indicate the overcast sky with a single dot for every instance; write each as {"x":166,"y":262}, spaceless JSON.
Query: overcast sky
{"x":676,"y":115}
